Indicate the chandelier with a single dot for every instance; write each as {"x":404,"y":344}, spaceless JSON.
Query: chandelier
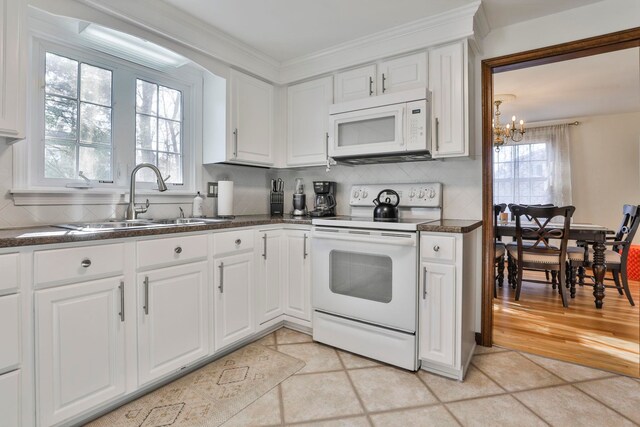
{"x":502,"y":134}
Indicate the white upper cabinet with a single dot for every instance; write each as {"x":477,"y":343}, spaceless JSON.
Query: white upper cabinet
{"x":448,"y":82}
{"x":356,"y":84}
{"x":251,"y":110}
{"x":12,"y":70}
{"x":406,"y":72}
{"x":307,"y":121}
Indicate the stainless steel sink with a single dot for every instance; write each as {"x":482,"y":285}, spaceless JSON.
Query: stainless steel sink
{"x":138,"y":224}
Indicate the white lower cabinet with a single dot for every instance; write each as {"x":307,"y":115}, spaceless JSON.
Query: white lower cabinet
{"x":437,"y":316}
{"x":270,"y":283}
{"x":173,"y":319}
{"x":10,"y":399}
{"x":80,"y":348}
{"x":297,"y":271}
{"x":234,"y":295}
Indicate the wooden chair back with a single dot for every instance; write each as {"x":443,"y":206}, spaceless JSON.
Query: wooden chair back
{"x":628,"y":228}
{"x":497,"y":210}
{"x":537,"y":230}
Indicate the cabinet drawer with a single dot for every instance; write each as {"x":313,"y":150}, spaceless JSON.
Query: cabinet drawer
{"x":9,"y":331}
{"x":435,"y":247}
{"x":232,"y":241}
{"x":78,"y":264}
{"x":173,"y":250}
{"x":9,"y":269}
{"x":10,"y":399}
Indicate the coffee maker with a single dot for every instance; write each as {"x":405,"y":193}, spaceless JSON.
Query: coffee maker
{"x":325,"y":201}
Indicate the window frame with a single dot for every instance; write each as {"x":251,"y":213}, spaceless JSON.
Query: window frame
{"x":186,"y":79}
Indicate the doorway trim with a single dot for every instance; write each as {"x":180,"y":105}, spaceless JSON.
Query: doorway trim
{"x":546,"y":55}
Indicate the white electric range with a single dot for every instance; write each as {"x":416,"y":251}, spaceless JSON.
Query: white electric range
{"x":365,"y":274}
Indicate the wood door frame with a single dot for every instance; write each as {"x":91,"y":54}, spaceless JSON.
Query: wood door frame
{"x":546,"y":55}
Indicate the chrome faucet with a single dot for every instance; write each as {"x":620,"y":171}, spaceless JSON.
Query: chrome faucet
{"x":133,"y":211}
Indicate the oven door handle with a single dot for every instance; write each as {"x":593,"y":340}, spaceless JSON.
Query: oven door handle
{"x":378,"y":239}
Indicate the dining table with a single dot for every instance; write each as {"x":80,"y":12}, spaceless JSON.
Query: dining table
{"x":592,"y":234}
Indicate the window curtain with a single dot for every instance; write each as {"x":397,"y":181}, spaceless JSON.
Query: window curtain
{"x":558,"y":139}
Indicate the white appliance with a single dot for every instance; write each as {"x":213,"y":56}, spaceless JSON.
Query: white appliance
{"x":365,"y":274}
{"x":395,"y":125}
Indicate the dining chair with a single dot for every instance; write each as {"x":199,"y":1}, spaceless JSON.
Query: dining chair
{"x":532,"y":250}
{"x":511,"y":266}
{"x":615,"y":258}
{"x":500,"y":250}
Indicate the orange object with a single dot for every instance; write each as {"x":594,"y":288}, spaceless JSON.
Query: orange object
{"x":633,"y":263}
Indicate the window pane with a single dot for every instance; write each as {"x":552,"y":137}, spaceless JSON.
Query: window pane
{"x":146,"y":97}
{"x":95,"y":162}
{"x":95,"y":85}
{"x":61,"y":75}
{"x":146,"y":174}
{"x":539,"y":169}
{"x":146,"y":132}
{"x":60,"y":160}
{"x":95,"y":124}
{"x":538,"y":152}
{"x":60,"y":116}
{"x":169,"y":136}
{"x":171,"y":164}
{"x":505,"y":154}
{"x":170,"y":104}
{"x":524,"y":170}
{"x":523,"y":152}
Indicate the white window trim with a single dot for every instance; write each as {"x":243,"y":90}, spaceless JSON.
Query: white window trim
{"x":29,"y":189}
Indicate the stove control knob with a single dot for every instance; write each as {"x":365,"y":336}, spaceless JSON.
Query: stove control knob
{"x":412,"y":194}
{"x":364,"y":194}
{"x":356,"y":194}
{"x":421,"y":194}
{"x":432,"y":193}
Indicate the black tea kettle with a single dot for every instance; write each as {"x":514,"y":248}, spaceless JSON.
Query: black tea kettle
{"x":386,"y":211}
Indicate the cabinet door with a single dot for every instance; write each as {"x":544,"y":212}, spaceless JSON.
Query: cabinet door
{"x":308,"y":121}
{"x":448,"y":96}
{"x":79,"y":348}
{"x":12,"y":106}
{"x":252,"y":120}
{"x":355,"y":84}
{"x":270,"y":283}
{"x":234,"y":298}
{"x":173,"y":319}
{"x":297,"y":267}
{"x":9,"y":331}
{"x":438,"y":313}
{"x":10,"y":399}
{"x":407,"y":72}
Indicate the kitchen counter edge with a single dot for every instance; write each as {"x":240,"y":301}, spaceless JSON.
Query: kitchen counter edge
{"x":451,"y":226}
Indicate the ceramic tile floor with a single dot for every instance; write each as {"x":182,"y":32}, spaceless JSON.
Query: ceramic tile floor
{"x":502,"y":388}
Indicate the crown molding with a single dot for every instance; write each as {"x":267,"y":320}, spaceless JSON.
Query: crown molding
{"x":171,"y":23}
{"x":452,"y":25}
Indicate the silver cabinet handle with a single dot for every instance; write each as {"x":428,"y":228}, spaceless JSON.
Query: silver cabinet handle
{"x":121,"y":287}
{"x":384,"y":79}
{"x":424,"y":282}
{"x":437,"y":134}
{"x":86,"y":263}
{"x":146,"y":295}
{"x":178,"y":250}
{"x":326,"y":143}
{"x":238,"y":242}
{"x":221,"y":286}
{"x":304,"y":247}
{"x":235,"y":143}
{"x":264,"y":246}
{"x":370,"y":86}
{"x":436,"y":248}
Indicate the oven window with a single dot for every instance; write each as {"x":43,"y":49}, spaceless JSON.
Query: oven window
{"x":359,"y":275}
{"x":372,"y":131}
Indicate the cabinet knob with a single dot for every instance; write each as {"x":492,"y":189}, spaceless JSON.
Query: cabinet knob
{"x":238,"y":241}
{"x":178,"y":250}
{"x":86,"y":263}
{"x":436,"y":248}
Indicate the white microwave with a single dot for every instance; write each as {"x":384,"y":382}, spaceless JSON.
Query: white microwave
{"x":396,"y":124}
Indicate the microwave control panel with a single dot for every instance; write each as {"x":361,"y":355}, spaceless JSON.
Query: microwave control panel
{"x":416,"y":123}
{"x":419,"y":195}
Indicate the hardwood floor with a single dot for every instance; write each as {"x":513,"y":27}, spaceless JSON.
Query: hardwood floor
{"x":607,"y":339}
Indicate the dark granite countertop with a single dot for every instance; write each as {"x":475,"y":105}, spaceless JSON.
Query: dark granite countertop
{"x":451,"y":226}
{"x":45,"y":235}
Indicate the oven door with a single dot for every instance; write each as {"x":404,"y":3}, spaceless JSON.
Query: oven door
{"x":367,"y":275}
{"x":376,"y":130}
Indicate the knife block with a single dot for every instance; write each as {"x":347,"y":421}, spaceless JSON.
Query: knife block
{"x":277,"y":202}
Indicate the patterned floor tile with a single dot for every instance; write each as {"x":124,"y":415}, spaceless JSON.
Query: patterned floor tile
{"x":476,"y":384}
{"x":263,"y":412}
{"x":342,"y":422}
{"x":567,"y":371}
{"x":289,"y":336}
{"x":619,"y":393}
{"x":318,"y":357}
{"x":353,"y":361}
{"x":494,"y":411}
{"x":429,"y":416}
{"x":267,"y":339}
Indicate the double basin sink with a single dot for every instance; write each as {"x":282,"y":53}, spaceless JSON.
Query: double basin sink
{"x":139,"y":223}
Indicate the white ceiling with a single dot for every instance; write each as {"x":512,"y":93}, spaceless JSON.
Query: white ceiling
{"x":288,"y":29}
{"x":608,"y":83}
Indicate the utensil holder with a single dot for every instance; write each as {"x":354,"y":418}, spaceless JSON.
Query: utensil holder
{"x":277,"y":202}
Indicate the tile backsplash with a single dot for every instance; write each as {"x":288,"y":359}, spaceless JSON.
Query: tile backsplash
{"x":461,"y":179}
